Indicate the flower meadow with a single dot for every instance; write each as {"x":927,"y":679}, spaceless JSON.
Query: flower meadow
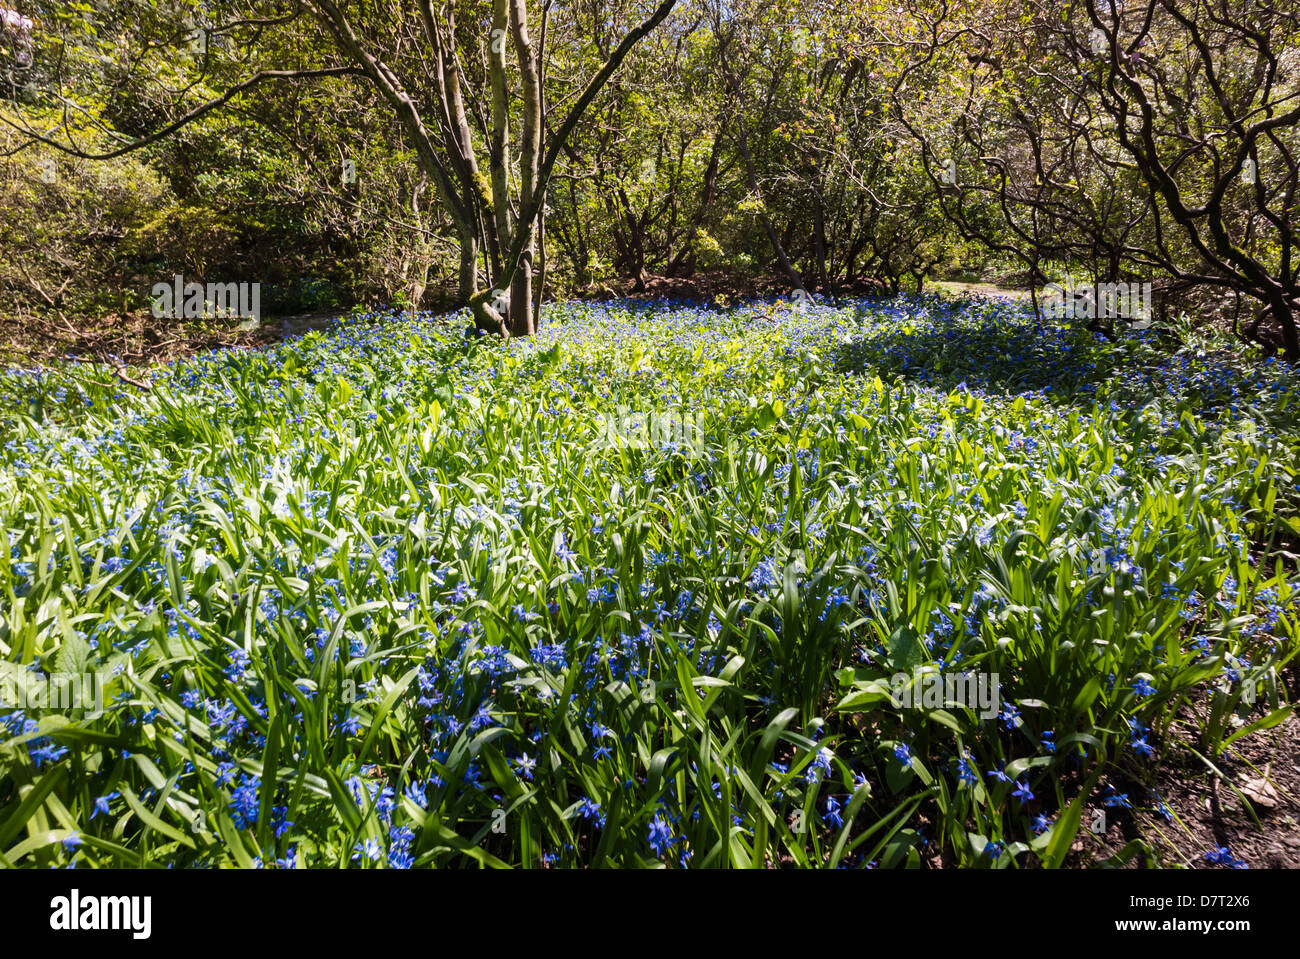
{"x":388,"y":596}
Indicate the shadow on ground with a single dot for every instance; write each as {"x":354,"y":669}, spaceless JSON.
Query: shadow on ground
{"x":1014,"y":357}
{"x":1071,"y":364}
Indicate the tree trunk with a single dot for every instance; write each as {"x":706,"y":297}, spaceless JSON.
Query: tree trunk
{"x":522,"y":320}
{"x":536,"y":171}
{"x":1284,"y":312}
{"x":819,"y":233}
{"x":467,"y":280}
{"x":683,"y":264}
{"x":742,"y":141}
{"x":635,"y":264}
{"x":539,"y":287}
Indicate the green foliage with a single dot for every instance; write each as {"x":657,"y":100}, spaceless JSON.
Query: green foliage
{"x":386,"y":595}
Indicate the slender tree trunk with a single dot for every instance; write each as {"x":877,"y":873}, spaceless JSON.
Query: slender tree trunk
{"x":1284,"y":311}
{"x":536,"y":171}
{"x":582,"y":264}
{"x":500,"y":144}
{"x":742,"y":141}
{"x":522,"y":320}
{"x":539,"y":287}
{"x":635,"y":258}
{"x":819,"y":240}
{"x":684,"y":262}
{"x":467,"y":281}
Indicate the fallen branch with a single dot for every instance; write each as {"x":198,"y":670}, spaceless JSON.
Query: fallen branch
{"x":118,"y":370}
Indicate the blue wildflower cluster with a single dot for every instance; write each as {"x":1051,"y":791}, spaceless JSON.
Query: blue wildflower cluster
{"x":381,"y":597}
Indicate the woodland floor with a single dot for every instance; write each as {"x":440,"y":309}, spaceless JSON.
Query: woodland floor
{"x":140,"y":339}
{"x":1253,"y":808}
{"x":1247,"y":799}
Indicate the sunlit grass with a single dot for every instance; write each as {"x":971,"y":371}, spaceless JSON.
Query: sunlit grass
{"x":390,"y":597}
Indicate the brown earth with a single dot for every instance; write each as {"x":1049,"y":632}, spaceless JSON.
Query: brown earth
{"x":121,"y":339}
{"x":1248,"y":802}
{"x":126,"y":340}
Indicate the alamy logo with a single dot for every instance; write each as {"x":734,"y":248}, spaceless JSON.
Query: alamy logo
{"x":27,"y":689}
{"x":500,"y":301}
{"x":931,"y":689}
{"x":653,"y":430}
{"x":181,"y":300}
{"x":76,"y":912}
{"x":1131,"y":301}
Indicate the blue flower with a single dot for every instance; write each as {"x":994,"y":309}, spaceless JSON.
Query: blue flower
{"x":591,"y":810}
{"x":416,"y":793}
{"x":101,"y":804}
{"x":766,"y":574}
{"x":966,"y":773}
{"x":832,"y":814}
{"x":661,"y":836}
{"x":244,"y":802}
{"x":1222,"y":856}
{"x":551,"y":655}
{"x":525,"y":765}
